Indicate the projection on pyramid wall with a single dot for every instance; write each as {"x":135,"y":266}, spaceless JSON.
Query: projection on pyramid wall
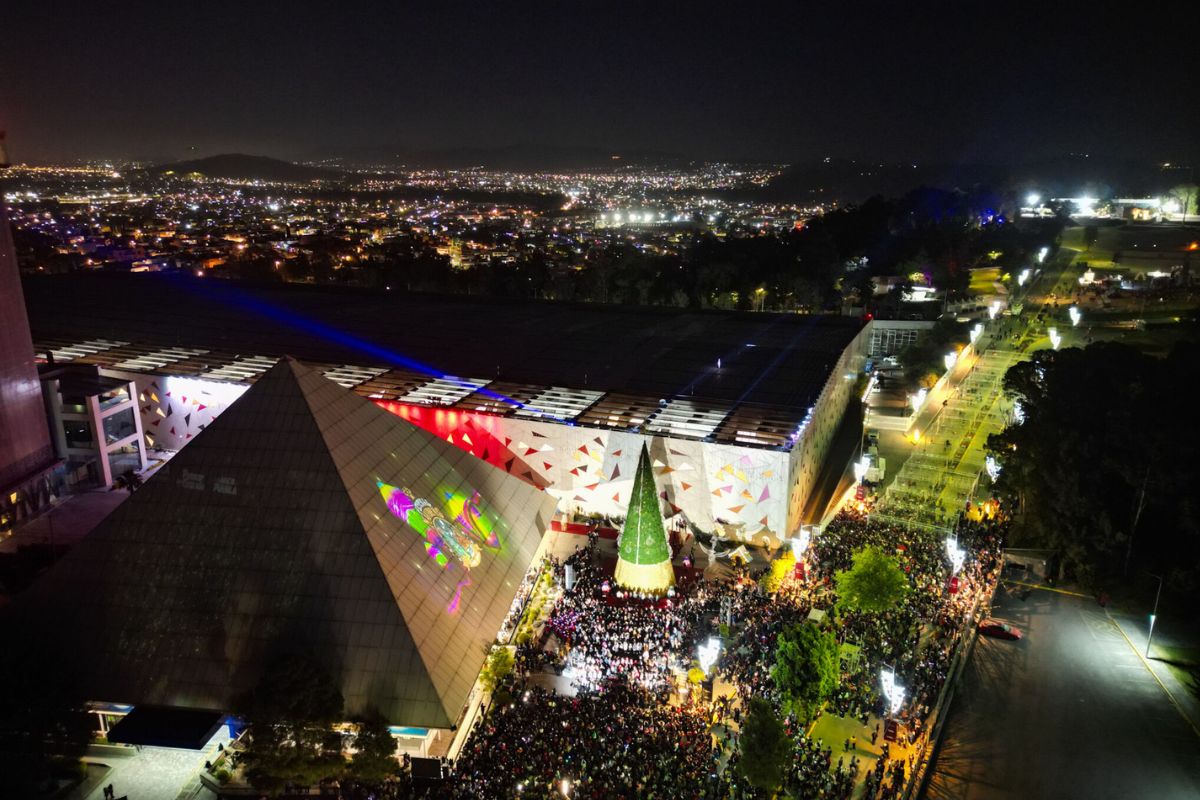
{"x":457,"y":541}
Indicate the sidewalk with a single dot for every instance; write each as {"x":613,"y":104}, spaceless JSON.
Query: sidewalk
{"x":1135,"y":630}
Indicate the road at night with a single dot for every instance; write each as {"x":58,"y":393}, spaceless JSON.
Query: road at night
{"x":1068,"y":712}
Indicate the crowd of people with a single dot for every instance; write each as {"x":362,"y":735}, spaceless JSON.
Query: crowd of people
{"x":618,"y":741}
{"x":636,"y":728}
{"x":917,"y":637}
{"x":642,"y":640}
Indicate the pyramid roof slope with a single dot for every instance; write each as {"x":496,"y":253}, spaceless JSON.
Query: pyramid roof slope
{"x":268,"y":535}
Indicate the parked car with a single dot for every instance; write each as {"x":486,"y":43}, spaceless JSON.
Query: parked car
{"x":999,"y":630}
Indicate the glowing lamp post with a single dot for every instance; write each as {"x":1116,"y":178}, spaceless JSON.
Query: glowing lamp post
{"x":800,"y":543}
{"x":918,"y":399}
{"x":1153,"y":614}
{"x":1024,"y":276}
{"x":1033,"y":200}
{"x":976,"y":331}
{"x":892,"y":691}
{"x":950,"y":359}
{"x":1075,"y":315}
{"x":860,"y":468}
{"x":1042,"y":254}
{"x":707,"y":654}
{"x":1055,"y":338}
{"x":957,"y":554}
{"x":994,"y":309}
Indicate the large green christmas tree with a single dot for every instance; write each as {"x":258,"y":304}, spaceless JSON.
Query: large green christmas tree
{"x":644,"y":553}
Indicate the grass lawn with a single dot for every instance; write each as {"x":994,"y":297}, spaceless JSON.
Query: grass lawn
{"x":983,"y":280}
{"x":1142,"y":248}
{"x":1184,"y":663}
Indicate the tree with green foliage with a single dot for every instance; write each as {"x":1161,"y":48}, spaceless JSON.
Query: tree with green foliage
{"x":499,"y":665}
{"x":1103,"y":467}
{"x":766,"y":748}
{"x":924,"y":360}
{"x":291,"y":738}
{"x":1188,"y":197}
{"x":778,"y":572}
{"x":374,"y":758}
{"x":875,"y":582}
{"x":806,"y":670}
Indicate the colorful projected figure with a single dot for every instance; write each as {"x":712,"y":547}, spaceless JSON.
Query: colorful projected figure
{"x":472,"y":519}
{"x":444,"y":539}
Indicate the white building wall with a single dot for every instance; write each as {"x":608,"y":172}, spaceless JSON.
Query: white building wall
{"x":810,"y":451}
{"x":173,"y":408}
{"x":750,"y":492}
{"x":591,"y":471}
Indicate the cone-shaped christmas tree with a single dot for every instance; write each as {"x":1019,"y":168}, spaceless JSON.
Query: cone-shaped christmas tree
{"x":644,"y":554}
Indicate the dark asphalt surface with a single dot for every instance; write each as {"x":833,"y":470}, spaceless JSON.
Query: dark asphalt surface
{"x":1070,"y":712}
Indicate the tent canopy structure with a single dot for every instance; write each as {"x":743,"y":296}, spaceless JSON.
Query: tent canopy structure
{"x":303,"y":520}
{"x":166,"y":727}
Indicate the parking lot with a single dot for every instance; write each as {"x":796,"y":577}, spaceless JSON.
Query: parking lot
{"x":1070,"y":711}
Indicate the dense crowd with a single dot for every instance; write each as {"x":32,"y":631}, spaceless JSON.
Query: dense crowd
{"x":627,"y":734}
{"x":603,"y":639}
{"x":617,"y":742}
{"x":917,"y":637}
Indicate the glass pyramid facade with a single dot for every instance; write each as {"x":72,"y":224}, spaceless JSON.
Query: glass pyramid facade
{"x":304,"y":520}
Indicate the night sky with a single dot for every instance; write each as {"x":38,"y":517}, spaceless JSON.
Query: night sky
{"x":969,"y":82}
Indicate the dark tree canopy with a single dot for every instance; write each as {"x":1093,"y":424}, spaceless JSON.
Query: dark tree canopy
{"x":806,"y":669}
{"x":1104,"y":467}
{"x":374,"y":758}
{"x":44,"y":728}
{"x":766,"y":749}
{"x":874,"y":583}
{"x":290,"y":738}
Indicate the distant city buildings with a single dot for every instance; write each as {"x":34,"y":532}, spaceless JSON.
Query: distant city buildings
{"x":90,"y":218}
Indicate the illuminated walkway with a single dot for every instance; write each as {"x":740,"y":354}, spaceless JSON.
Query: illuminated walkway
{"x":944,"y":471}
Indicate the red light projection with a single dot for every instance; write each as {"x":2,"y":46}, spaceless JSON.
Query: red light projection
{"x":481,"y":435}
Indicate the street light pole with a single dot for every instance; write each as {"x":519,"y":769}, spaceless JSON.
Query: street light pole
{"x":1153,"y":614}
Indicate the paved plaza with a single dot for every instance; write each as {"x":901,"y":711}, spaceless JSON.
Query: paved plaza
{"x":153,"y":773}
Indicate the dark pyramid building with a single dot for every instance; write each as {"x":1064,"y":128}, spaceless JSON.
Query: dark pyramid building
{"x":303,"y":520}
{"x":26,"y":454}
{"x":644,"y":552}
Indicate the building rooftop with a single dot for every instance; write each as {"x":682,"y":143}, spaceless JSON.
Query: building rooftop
{"x":723,"y":376}
{"x":80,"y":380}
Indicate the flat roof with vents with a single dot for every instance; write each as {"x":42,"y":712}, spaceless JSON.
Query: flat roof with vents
{"x":734,"y":377}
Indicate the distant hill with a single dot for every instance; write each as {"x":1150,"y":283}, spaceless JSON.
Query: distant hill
{"x":238,"y":166}
{"x":850,"y":181}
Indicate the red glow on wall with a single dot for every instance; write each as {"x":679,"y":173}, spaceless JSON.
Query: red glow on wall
{"x":481,"y":435}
